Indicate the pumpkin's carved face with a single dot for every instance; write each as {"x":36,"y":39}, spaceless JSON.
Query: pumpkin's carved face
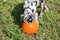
{"x":30,"y":28}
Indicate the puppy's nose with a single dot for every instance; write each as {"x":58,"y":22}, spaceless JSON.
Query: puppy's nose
{"x":30,"y":19}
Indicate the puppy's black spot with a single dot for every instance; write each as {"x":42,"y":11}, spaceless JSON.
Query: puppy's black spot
{"x":23,"y":17}
{"x":32,"y":10}
{"x":28,"y":7}
{"x":42,"y":1}
{"x":28,"y":2}
{"x":31,"y":3}
{"x":36,"y":3}
{"x":28,"y":13}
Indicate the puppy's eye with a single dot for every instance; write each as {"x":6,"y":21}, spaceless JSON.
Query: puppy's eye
{"x":42,"y":1}
{"x":28,"y":7}
{"x":31,"y":3}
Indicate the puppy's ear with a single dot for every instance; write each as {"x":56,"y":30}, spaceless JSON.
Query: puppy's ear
{"x":21,"y":17}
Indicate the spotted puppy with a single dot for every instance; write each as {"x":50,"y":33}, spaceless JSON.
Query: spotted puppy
{"x":30,"y":13}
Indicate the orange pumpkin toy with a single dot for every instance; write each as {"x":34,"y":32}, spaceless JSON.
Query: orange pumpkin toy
{"x":30,"y":28}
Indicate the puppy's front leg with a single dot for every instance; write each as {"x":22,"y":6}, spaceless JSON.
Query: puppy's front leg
{"x":21,"y":17}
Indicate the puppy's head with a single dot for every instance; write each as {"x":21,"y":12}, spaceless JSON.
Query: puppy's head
{"x":28,"y":15}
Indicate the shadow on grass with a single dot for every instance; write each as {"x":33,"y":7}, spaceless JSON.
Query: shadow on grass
{"x":17,"y":11}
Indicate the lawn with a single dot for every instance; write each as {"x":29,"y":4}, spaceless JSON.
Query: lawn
{"x":10,"y":25}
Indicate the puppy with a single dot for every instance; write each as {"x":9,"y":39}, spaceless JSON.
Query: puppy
{"x":30,"y":12}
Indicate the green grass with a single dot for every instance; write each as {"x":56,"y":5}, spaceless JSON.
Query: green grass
{"x":10,"y":25}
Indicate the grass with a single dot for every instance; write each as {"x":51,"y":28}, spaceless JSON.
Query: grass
{"x":10,"y":25}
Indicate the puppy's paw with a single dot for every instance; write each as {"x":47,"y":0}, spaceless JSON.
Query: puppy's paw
{"x":46,"y":9}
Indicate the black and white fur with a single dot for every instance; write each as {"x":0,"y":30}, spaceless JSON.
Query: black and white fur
{"x":30,"y":9}
{"x":29,"y":15}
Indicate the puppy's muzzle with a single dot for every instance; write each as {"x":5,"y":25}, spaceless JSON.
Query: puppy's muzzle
{"x":30,"y":19}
